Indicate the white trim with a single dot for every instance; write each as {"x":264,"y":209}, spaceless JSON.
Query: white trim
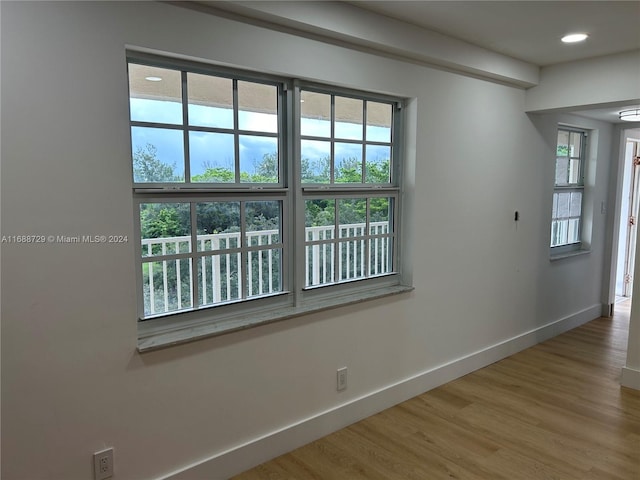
{"x":568,"y":254}
{"x":242,"y":457}
{"x":152,"y":336}
{"x":630,"y":378}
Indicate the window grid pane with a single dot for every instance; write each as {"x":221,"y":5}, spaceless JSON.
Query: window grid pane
{"x":355,"y":151}
{"x":210,"y":101}
{"x":569,"y":158}
{"x":221,"y":131}
{"x":566,"y":218}
{"x":221,"y":275}
{"x":364,"y":244}
{"x":155,"y":94}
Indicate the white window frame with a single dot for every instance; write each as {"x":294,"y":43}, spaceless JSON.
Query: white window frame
{"x":296,"y":297}
{"x":558,"y":250}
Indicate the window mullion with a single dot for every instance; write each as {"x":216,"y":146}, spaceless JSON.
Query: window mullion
{"x":583,"y":157}
{"x":297,"y":235}
{"x":394,"y":243}
{"x":185,"y":127}
{"x":367,"y":242}
{"x":363,"y":169}
{"x":236,"y":128}
{"x":337,"y":271}
{"x":195,"y":286}
{"x":332,"y":135}
{"x":244,"y":257}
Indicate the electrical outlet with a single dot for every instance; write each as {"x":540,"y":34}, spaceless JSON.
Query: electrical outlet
{"x":103,"y":464}
{"x":342,"y":378}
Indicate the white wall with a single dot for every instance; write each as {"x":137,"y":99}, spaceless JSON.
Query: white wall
{"x":631,"y":371}
{"x":613,"y":79}
{"x":72,"y":381}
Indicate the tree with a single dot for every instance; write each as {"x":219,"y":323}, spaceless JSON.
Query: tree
{"x":215,"y":175}
{"x":267,"y":169}
{"x":377,"y":172}
{"x":349,"y":170}
{"x":218,"y":217}
{"x":163,"y":223}
{"x":158,"y":220}
{"x":265,"y":172}
{"x":148,"y":168}
{"x":167,"y":219}
{"x":315,"y":171}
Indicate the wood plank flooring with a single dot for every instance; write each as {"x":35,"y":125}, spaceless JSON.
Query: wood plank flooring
{"x":554,"y":411}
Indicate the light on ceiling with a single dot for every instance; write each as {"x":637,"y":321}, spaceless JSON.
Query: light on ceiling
{"x":153,"y":79}
{"x":574,"y":38}
{"x":632,"y":115}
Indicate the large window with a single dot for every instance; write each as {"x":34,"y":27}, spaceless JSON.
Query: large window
{"x":566,"y":221}
{"x":253,"y":192}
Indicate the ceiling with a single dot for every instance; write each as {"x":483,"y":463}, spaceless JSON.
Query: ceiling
{"x":526,"y":30}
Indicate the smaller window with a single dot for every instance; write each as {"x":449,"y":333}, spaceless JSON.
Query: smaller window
{"x":568,"y":194}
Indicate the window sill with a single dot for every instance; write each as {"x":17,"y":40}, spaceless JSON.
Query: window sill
{"x":152,"y":338}
{"x":574,"y":253}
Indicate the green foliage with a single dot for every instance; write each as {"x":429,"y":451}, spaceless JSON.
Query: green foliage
{"x":315,"y":171}
{"x":215,"y":175}
{"x":263,"y":215}
{"x":319,"y":212}
{"x":174,"y":219}
{"x":378,"y":172}
{"x":349,"y":171}
{"x":379,"y":209}
{"x":267,"y":169}
{"x":159,"y":220}
{"x":266,"y":172}
{"x":148,"y":168}
{"x":169,"y":219}
{"x":352,"y":210}
{"x":164,"y":223}
{"x":218,"y":217}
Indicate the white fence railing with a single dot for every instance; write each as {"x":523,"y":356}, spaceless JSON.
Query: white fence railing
{"x":221,"y":275}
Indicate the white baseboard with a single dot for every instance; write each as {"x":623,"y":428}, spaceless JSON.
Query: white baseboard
{"x":243,"y":457}
{"x":630,"y":378}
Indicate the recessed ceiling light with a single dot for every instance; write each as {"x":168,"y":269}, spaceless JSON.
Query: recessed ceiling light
{"x":632,"y":115}
{"x":153,"y":79}
{"x":575,"y":38}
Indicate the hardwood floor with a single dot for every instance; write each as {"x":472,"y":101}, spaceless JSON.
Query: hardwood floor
{"x":553,"y":411}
